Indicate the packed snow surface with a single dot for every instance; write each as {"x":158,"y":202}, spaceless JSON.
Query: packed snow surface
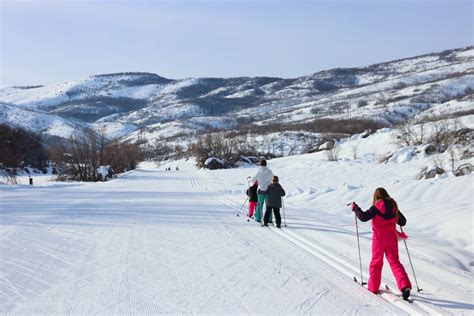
{"x":156,"y":241}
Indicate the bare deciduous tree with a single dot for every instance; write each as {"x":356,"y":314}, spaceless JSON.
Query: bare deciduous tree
{"x":86,"y":152}
{"x":332,"y":153}
{"x":354,"y":150}
{"x":7,"y":175}
{"x":441,"y":133}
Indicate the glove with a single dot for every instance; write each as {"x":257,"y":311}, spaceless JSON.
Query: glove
{"x":354,"y":206}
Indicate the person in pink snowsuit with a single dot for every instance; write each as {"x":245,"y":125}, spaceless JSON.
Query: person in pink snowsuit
{"x":252,"y":194}
{"x":385,"y":215}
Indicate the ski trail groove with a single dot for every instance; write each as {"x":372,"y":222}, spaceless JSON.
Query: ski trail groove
{"x":31,"y":277}
{"x":314,"y":251}
{"x":175,"y":275}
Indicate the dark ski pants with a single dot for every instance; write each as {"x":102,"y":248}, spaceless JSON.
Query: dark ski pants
{"x":268,"y":213}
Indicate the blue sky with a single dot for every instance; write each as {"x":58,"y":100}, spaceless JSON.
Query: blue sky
{"x":50,"y":41}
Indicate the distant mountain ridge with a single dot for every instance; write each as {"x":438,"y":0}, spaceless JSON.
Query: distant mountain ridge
{"x":122,"y":104}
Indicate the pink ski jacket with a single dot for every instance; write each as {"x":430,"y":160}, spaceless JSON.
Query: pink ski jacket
{"x":384,"y":215}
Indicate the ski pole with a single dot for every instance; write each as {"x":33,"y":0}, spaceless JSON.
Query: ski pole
{"x":284,"y":216}
{"x":358,"y":247}
{"x":242,"y":206}
{"x":411,"y":264}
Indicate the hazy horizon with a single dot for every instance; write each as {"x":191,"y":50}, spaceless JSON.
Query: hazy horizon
{"x":55,"y":41}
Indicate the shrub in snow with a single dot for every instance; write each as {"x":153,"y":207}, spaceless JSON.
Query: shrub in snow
{"x":30,"y":170}
{"x":366,"y":133}
{"x":362,"y":103}
{"x":429,"y":173}
{"x":250,"y":159}
{"x":467,"y":153}
{"x":402,"y":155}
{"x":333,"y":154}
{"x":354,"y":151}
{"x":246,"y":161}
{"x":7,"y":175}
{"x":385,"y":158}
{"x":463,"y":170}
{"x":214,"y":163}
{"x":428,"y":149}
{"x":105,"y":172}
{"x":51,"y":170}
{"x":327,"y":145}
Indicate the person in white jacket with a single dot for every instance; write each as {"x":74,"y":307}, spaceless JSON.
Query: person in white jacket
{"x":264,"y":177}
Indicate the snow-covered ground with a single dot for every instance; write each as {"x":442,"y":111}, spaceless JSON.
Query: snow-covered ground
{"x":156,"y":241}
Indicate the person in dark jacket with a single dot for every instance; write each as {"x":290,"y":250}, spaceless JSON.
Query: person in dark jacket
{"x":385,"y":215}
{"x":274,"y":194}
{"x":253,"y":198}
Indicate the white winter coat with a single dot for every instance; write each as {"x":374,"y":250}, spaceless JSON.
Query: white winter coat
{"x":264,"y":177}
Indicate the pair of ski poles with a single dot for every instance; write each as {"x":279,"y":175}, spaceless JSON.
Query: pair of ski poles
{"x":360,"y":260}
{"x":282,"y":202}
{"x":246,"y":199}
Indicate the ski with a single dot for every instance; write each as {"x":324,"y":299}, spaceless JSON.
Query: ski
{"x":270,"y":225}
{"x":390,"y":290}
{"x":249,"y":218}
{"x":357,"y":281}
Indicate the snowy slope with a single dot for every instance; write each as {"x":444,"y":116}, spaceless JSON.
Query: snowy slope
{"x":53,"y":125}
{"x":390,"y":91}
{"x":155,"y":241}
{"x":132,"y":85}
{"x":41,"y":122}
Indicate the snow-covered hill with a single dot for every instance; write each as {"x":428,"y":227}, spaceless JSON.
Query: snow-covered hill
{"x":38,"y":121}
{"x":123,"y":104}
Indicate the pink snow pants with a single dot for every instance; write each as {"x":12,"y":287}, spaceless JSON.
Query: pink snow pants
{"x":252,"y":206}
{"x":385,"y":242}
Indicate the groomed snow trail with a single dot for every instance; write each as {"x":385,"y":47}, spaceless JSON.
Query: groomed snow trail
{"x":161,"y":242}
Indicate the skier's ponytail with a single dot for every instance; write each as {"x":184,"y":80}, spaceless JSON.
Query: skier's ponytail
{"x":382,"y":194}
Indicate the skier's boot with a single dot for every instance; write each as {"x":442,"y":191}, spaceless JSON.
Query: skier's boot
{"x":406,"y":293}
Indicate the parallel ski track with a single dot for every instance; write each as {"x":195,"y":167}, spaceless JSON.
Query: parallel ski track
{"x":36,"y":285}
{"x":345,"y":268}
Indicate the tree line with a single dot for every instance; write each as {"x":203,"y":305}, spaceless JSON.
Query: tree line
{"x":76,"y":158}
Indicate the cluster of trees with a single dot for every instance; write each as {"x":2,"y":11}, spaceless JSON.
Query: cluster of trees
{"x":81,"y":155}
{"x":440,"y":134}
{"x":437,"y":131}
{"x":229,"y":150}
{"x":20,"y":148}
{"x":76,"y":158}
{"x":322,"y":125}
{"x":162,"y":151}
